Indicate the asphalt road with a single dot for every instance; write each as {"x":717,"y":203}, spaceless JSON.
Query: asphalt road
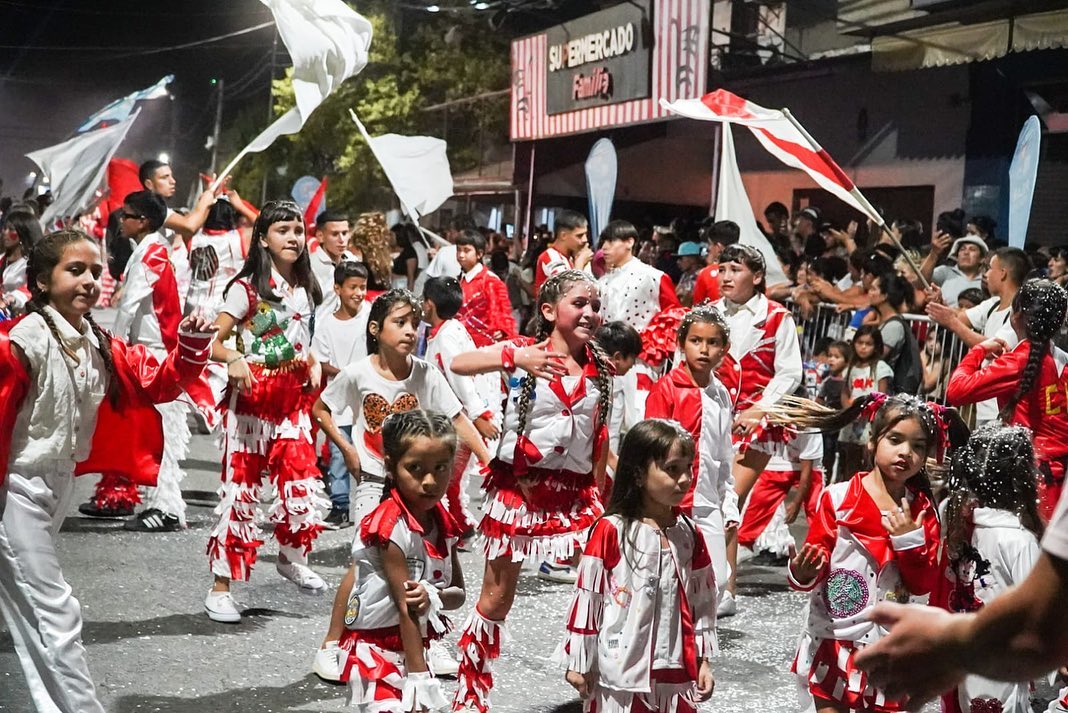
{"x":151,"y":647}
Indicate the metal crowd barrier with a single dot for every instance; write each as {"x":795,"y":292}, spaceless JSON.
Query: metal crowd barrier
{"x":826,"y":321}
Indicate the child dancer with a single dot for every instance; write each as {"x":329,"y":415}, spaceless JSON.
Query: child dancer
{"x":70,"y":393}
{"x":642,"y":626}
{"x":216,"y":254}
{"x":341,"y":339}
{"x":867,"y":373}
{"x":405,"y":553}
{"x":148,"y":314}
{"x":486,"y":311}
{"x":992,"y":531}
{"x":542,"y":488}
{"x":692,"y":395}
{"x":622,"y":343}
{"x":875,"y":537}
{"x":266,"y":422}
{"x":480,"y":395}
{"x":1029,"y":381}
{"x":390,"y":380}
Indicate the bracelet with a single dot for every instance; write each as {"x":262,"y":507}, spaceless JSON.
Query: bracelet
{"x":508,"y":358}
{"x":236,"y":358}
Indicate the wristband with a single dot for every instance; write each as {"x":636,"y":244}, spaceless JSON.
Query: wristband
{"x":508,"y":358}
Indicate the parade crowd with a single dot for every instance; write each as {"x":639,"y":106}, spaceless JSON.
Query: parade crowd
{"x":639,"y":411}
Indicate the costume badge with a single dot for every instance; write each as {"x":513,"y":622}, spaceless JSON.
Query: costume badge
{"x":352,"y":611}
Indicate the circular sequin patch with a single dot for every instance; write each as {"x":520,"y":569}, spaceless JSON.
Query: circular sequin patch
{"x":845,"y":593}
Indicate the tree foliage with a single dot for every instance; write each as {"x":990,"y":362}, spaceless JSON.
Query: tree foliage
{"x":413,"y":65}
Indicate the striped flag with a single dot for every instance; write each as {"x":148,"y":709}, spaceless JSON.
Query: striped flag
{"x":780,"y":133}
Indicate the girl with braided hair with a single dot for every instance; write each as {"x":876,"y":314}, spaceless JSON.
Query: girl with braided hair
{"x":692,"y":395}
{"x":992,"y":530}
{"x":543,"y":487}
{"x":70,"y":392}
{"x":1029,"y":380}
{"x":875,"y":537}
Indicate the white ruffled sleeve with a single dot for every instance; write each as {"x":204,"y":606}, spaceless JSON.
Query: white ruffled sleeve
{"x":578,"y":652}
{"x":704,"y":599}
{"x":422,"y":692}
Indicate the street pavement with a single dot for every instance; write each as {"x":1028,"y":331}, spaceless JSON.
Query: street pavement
{"x":152,"y":649}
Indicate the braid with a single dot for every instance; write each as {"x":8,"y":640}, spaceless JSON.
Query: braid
{"x":1042,"y":304}
{"x":34,"y":306}
{"x":604,"y":382}
{"x":526,"y":392}
{"x":104,"y":347}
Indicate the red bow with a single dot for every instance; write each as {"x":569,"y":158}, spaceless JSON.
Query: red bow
{"x":876,"y":401}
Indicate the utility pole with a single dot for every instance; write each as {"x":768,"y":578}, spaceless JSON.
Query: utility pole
{"x":218,"y":126}
{"x":270,"y":107}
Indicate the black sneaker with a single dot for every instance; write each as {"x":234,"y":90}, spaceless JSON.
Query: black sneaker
{"x":91,"y":509}
{"x":767,"y":558}
{"x":153,"y":520}
{"x":338,"y":519}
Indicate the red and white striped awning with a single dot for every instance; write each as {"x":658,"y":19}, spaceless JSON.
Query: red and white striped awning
{"x":679,"y":71}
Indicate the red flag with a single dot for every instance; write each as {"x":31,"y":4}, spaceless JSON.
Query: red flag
{"x":312,"y":211}
{"x":122,"y":181}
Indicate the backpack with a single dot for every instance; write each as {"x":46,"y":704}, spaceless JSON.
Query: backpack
{"x":908,"y":369}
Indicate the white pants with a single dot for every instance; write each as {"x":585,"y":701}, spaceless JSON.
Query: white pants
{"x":167,"y":495}
{"x":710,"y":522}
{"x":42,"y":614}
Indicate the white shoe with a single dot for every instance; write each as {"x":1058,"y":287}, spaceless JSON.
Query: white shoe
{"x":302,"y":576}
{"x":728,"y":606}
{"x":744,"y":554}
{"x":327,"y":664}
{"x":440,"y":661}
{"x":221,"y":607}
{"x":554,"y":572}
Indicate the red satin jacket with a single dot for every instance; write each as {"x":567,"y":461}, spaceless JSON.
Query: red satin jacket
{"x":128,"y":437}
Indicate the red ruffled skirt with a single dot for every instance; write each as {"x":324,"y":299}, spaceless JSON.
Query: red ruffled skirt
{"x":543,"y":515}
{"x":833,"y":676}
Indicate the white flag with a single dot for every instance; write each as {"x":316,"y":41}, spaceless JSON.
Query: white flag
{"x":417,"y":167}
{"x":121,"y":108}
{"x":328,"y":42}
{"x":732,"y":203}
{"x":76,"y":168}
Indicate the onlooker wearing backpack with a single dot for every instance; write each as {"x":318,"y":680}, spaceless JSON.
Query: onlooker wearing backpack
{"x":890,"y":294}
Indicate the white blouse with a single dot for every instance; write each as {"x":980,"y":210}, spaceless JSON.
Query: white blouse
{"x":58,"y":416}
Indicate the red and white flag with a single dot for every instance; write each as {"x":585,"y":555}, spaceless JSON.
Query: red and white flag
{"x":781,"y":134}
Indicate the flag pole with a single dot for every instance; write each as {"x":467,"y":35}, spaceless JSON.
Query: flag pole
{"x":865,"y":203}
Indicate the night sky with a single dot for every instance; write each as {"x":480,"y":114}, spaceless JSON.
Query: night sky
{"x":62,"y":60}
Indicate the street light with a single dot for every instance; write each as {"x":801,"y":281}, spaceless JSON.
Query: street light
{"x":164,"y":157}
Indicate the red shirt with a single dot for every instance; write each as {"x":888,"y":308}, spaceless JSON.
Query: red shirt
{"x":707,"y":287}
{"x":487,"y":311}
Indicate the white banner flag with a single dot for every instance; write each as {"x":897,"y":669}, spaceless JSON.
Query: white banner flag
{"x":732,"y":203}
{"x":121,"y":108}
{"x":76,"y":168}
{"x":417,"y":167}
{"x":329,"y":43}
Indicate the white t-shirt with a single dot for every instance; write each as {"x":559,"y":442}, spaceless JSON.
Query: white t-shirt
{"x":985,"y":317}
{"x":372,"y":398}
{"x":805,"y":446}
{"x":340,"y":342}
{"x":293,"y":314}
{"x":861,"y":381}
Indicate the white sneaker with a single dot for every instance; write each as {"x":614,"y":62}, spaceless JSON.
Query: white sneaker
{"x":327,"y":664}
{"x":555,"y":572}
{"x":302,"y":576}
{"x":728,"y":606}
{"x":221,"y":607}
{"x":440,"y":661}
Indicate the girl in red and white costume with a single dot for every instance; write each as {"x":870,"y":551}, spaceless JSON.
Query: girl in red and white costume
{"x":72,"y":392}
{"x":266,"y":419}
{"x":763,"y":366}
{"x":19,"y":233}
{"x":992,"y":532}
{"x":1029,"y":380}
{"x":642,"y":626}
{"x":691,"y":395}
{"x":542,"y":489}
{"x":405,"y":552}
{"x":875,"y":537}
